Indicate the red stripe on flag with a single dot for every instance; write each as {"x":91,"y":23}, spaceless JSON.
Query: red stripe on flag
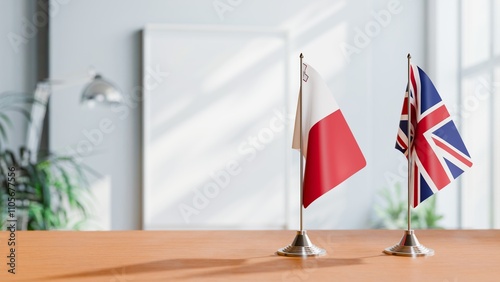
{"x":453,"y":153}
{"x":415,"y":89}
{"x":332,"y":156}
{"x":405,"y":107}
{"x":416,"y":194}
{"x":425,"y":153}
{"x":402,"y":143}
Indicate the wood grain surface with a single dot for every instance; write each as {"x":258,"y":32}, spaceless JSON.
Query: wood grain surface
{"x":116,"y":256}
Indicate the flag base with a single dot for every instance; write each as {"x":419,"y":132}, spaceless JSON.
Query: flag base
{"x":301,"y":247}
{"x":409,"y":247}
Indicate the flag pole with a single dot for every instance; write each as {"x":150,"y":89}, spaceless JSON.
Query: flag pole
{"x":409,"y":246}
{"x":301,"y":245}
{"x":408,"y":105}
{"x":301,"y":155}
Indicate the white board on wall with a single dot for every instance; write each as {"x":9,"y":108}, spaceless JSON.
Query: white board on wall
{"x":215,"y":128}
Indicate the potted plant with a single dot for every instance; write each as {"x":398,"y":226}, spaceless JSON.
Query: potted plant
{"x":49,"y":193}
{"x":392,"y":213}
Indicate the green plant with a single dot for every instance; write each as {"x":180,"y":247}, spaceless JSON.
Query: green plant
{"x":12,"y":102}
{"x":393,"y":212}
{"x":52,"y":192}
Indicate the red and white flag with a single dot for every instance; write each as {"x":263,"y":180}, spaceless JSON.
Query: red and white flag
{"x":331,"y":152}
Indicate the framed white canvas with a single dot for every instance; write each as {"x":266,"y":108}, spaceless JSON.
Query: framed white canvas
{"x":216,"y":131}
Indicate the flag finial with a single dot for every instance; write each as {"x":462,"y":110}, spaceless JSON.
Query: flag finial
{"x":408,"y":56}
{"x":301,"y":56}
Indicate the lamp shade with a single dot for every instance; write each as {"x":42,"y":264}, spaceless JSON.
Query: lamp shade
{"x":101,"y":90}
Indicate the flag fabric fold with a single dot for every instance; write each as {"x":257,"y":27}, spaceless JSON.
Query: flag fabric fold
{"x":330,"y":150}
{"x":438,"y":154}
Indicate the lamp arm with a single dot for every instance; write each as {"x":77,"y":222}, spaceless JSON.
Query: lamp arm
{"x":98,"y":88}
{"x":58,"y":84}
{"x":38,"y":110}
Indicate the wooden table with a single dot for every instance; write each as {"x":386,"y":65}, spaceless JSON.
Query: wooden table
{"x":117,"y":256}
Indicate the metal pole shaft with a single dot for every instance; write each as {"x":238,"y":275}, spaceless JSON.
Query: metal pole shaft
{"x":301,"y":148}
{"x":409,"y":145}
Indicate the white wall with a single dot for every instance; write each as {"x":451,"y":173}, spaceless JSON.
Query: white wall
{"x":463,"y":56}
{"x":17,"y":57}
{"x":369,"y":87}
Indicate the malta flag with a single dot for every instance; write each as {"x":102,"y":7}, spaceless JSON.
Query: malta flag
{"x":329,"y":148}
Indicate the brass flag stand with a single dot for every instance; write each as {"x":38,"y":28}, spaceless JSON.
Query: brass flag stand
{"x":409,"y":245}
{"x":301,"y":245}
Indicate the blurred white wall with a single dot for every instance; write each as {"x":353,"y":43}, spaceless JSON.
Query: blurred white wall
{"x":18,"y":69}
{"x":464,"y":48}
{"x":359,"y":47}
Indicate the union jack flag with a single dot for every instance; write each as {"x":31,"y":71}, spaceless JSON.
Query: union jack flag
{"x":437,"y":155}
